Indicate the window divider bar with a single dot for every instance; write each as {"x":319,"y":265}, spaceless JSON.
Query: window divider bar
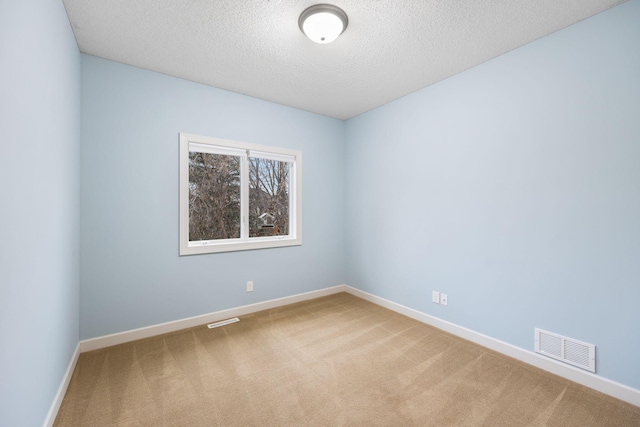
{"x":244,"y":195}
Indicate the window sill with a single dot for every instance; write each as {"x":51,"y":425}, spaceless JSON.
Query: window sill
{"x":238,"y":245}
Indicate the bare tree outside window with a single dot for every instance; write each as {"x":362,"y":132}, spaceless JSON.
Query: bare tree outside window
{"x":214,"y":196}
{"x":268,"y":197}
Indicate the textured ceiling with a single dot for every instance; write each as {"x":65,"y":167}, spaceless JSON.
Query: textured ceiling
{"x":254,"y":47}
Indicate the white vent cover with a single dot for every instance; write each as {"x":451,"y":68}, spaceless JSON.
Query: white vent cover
{"x":223,"y":323}
{"x":568,"y":350}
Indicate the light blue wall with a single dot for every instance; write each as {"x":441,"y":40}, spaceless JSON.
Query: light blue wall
{"x":39,"y":209}
{"x":131,"y":273}
{"x":513,"y":187}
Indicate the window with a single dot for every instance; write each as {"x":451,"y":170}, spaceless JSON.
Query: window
{"x":237,"y":196}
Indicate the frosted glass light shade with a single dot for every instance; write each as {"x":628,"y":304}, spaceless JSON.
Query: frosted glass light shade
{"x":323,"y":23}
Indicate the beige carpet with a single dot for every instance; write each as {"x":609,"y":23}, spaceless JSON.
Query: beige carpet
{"x":333,"y":361}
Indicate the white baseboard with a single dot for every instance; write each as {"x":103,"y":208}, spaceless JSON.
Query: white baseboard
{"x":596,"y":382}
{"x":62,"y":390}
{"x":176,"y":325}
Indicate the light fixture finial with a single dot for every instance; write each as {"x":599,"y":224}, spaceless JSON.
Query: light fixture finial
{"x":323,"y":23}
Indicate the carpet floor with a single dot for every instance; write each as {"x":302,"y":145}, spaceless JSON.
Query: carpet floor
{"x":332,"y":361}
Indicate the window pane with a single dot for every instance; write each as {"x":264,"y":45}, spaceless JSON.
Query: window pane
{"x":268,"y":197}
{"x":214,"y":196}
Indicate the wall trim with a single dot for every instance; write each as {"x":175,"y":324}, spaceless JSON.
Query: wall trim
{"x":176,"y":325}
{"x":596,"y":382}
{"x":62,"y":390}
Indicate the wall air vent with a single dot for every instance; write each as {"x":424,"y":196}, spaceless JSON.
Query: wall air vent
{"x":568,"y":350}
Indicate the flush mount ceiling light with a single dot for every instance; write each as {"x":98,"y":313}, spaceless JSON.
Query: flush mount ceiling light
{"x":323,"y":23}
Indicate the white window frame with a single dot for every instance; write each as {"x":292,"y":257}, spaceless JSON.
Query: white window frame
{"x":243,"y":150}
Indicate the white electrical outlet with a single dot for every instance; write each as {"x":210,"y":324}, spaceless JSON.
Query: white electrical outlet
{"x":443,"y":299}
{"x":250,"y":286}
{"x":435,"y":297}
